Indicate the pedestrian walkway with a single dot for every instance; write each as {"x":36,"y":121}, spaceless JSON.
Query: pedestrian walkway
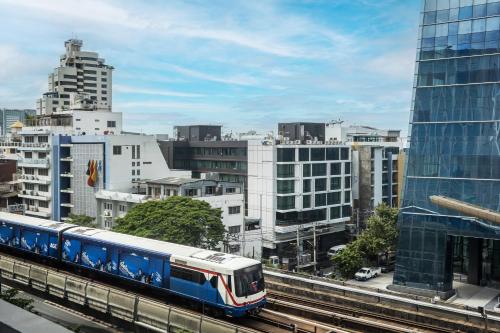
{"x":474,"y":296}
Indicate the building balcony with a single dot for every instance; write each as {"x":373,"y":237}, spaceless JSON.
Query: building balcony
{"x":67,"y":174}
{"x":36,"y":211}
{"x":30,"y":194}
{"x":33,"y":163}
{"x":34,"y":147}
{"x":67,"y":159}
{"x":67,"y":190}
{"x":44,"y":180}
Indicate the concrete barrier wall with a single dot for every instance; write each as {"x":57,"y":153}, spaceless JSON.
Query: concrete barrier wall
{"x":56,"y":284}
{"x":22,"y":273}
{"x":143,"y":312}
{"x":75,"y":290}
{"x":38,"y":277}
{"x":7,"y":267}
{"x":97,"y":297}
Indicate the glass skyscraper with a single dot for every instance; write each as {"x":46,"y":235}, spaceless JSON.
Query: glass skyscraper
{"x":454,"y":147}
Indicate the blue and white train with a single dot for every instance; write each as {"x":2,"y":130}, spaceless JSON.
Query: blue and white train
{"x":226,"y":282}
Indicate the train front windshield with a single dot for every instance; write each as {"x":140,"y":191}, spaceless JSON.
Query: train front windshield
{"x":249,"y":281}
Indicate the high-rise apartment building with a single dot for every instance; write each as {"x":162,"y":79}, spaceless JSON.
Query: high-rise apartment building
{"x":82,"y":77}
{"x":454,"y":149}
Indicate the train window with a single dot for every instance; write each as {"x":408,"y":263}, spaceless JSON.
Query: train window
{"x":187,"y":274}
{"x":229,"y":284}
{"x":213,"y":281}
{"x":249,"y":281}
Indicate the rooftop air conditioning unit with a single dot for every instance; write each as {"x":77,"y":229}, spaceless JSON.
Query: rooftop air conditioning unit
{"x":309,"y":142}
{"x":297,"y":142}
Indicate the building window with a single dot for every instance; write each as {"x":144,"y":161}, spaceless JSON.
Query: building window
{"x":43,"y":139}
{"x":344,"y":153}
{"x":286,"y":154}
{"x":138,"y":172}
{"x":191,"y":192}
{"x":320,"y":184}
{"x":43,"y":188}
{"x":210,"y":190}
{"x":319,"y":169}
{"x":234,"y":210}
{"x":43,"y":172}
{"x":317,"y":154}
{"x":285,"y":186}
{"x":347,"y":197}
{"x":29,"y":139}
{"x":133,"y":164}
{"x":108,"y":206}
{"x":332,"y":154}
{"x":347,"y":168}
{"x":333,"y":198}
{"x":133,"y":172}
{"x":29,"y":186}
{"x":30,"y":202}
{"x":335,"y":169}
{"x":347,"y":182}
{"x":28,"y":154}
{"x":320,"y":200}
{"x":117,"y":150}
{"x":306,"y":185}
{"x":306,"y":201}
{"x":346,"y":211}
{"x":231,"y":190}
{"x":234,"y":229}
{"x":286,"y":171}
{"x":122,"y":208}
{"x":306,"y":170}
{"x":42,"y":155}
{"x":335,"y":213}
{"x":43,"y":204}
{"x":285,"y":203}
{"x":30,"y":171}
{"x":138,"y":152}
{"x":111,"y":123}
{"x":303,"y":154}
{"x":133,"y":152}
{"x":335,"y":183}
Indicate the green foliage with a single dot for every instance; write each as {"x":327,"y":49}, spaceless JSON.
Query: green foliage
{"x":380,"y":236}
{"x":177,"y":219}
{"x":81,"y":220}
{"x":9,"y":295}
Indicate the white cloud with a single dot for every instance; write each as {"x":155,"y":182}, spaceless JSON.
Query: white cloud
{"x":146,"y":91}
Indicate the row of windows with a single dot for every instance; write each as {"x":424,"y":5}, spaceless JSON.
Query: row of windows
{"x":459,"y":71}
{"x":205,"y":151}
{"x":462,"y":13}
{"x":461,"y":28}
{"x":41,"y":203}
{"x":314,"y":215}
{"x":312,"y":154}
{"x":40,"y":139}
{"x":320,"y":185}
{"x":41,"y":187}
{"x":41,"y":172}
{"x":432,"y":5}
{"x":239,"y":166}
{"x":459,"y":103}
{"x":320,"y":200}
{"x":313,"y":170}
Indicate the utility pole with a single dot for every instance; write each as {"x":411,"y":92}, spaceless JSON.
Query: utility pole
{"x":298,"y":249}
{"x":314,"y":247}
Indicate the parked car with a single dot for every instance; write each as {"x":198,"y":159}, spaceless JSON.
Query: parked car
{"x":334,"y":250}
{"x":367,"y":273}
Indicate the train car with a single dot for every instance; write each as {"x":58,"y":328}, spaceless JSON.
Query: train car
{"x":29,"y":234}
{"x":232,"y":284}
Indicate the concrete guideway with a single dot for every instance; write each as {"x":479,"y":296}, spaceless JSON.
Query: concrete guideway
{"x":386,"y":298}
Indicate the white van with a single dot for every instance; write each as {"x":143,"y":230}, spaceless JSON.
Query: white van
{"x":334,"y":250}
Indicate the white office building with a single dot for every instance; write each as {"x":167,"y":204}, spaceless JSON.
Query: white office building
{"x":79,"y":73}
{"x":299,"y":192}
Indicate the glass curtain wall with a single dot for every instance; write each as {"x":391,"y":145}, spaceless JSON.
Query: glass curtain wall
{"x":455,"y":137}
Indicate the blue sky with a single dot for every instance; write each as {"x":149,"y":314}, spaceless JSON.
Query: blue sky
{"x":241,"y":64}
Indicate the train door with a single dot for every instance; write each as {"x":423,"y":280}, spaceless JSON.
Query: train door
{"x":211,"y":294}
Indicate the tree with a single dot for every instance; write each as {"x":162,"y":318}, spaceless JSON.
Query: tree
{"x":10,"y":294}
{"x":81,"y":220}
{"x":379,"y":236}
{"x":177,"y":219}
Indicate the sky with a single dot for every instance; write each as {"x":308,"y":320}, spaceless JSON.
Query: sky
{"x":242,"y":64}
